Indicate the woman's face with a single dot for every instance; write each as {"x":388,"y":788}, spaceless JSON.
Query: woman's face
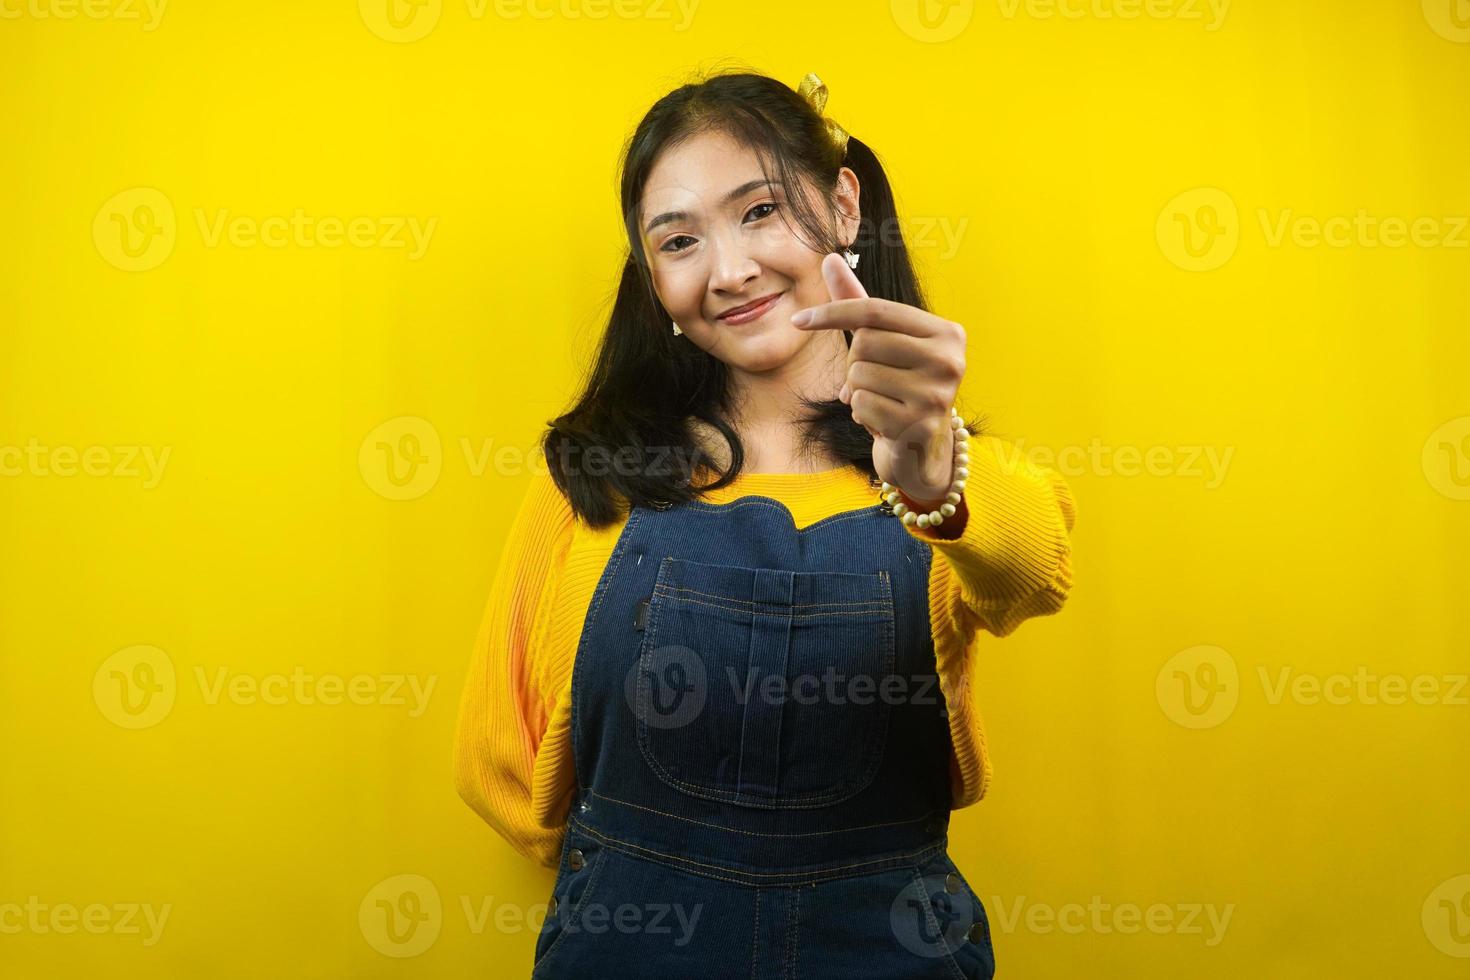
{"x":714,"y":234}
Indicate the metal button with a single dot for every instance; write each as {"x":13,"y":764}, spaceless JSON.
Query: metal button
{"x":952,"y":883}
{"x":976,"y":933}
{"x":551,"y":906}
{"x":575,"y":860}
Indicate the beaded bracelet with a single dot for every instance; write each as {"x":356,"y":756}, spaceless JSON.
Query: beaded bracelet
{"x":933,"y":518}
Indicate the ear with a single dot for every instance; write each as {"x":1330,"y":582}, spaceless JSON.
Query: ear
{"x":846,"y":193}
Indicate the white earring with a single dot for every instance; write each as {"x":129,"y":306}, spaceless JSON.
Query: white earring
{"x":677,"y":331}
{"x":851,"y":257}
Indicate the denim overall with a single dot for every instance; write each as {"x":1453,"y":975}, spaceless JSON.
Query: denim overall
{"x":762,"y":759}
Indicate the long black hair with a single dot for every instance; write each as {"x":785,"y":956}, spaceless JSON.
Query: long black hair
{"x":628,"y":438}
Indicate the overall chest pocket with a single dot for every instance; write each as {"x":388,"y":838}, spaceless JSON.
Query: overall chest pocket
{"x":765,"y":687}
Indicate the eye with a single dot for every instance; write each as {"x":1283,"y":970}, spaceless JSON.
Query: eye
{"x":665,"y":246}
{"x":766,"y":204}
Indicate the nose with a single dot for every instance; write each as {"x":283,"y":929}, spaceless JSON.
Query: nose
{"x":731,"y":264}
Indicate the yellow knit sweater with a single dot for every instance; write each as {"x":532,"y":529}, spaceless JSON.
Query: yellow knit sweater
{"x":1002,"y":558}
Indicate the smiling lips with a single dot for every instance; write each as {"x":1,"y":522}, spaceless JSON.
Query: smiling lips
{"x":751,"y":311}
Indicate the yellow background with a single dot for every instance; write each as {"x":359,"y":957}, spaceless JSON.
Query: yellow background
{"x":1067,"y":155}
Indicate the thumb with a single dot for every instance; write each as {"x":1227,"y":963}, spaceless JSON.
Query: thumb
{"x":842,"y":282}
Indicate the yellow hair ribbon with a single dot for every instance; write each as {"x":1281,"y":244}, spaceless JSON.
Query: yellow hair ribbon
{"x":814,"y":90}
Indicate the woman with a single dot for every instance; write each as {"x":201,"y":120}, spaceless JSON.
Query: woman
{"x":722,"y":681}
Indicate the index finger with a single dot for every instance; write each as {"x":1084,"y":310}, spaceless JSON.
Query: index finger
{"x":849,"y":314}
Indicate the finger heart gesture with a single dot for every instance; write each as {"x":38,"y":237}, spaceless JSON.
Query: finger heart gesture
{"x":904,"y":367}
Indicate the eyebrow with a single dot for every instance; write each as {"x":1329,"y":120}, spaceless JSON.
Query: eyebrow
{"x":740,"y":191}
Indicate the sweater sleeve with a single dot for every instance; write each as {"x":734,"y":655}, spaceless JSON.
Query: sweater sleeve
{"x":508,"y":697}
{"x":1006,"y":551}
